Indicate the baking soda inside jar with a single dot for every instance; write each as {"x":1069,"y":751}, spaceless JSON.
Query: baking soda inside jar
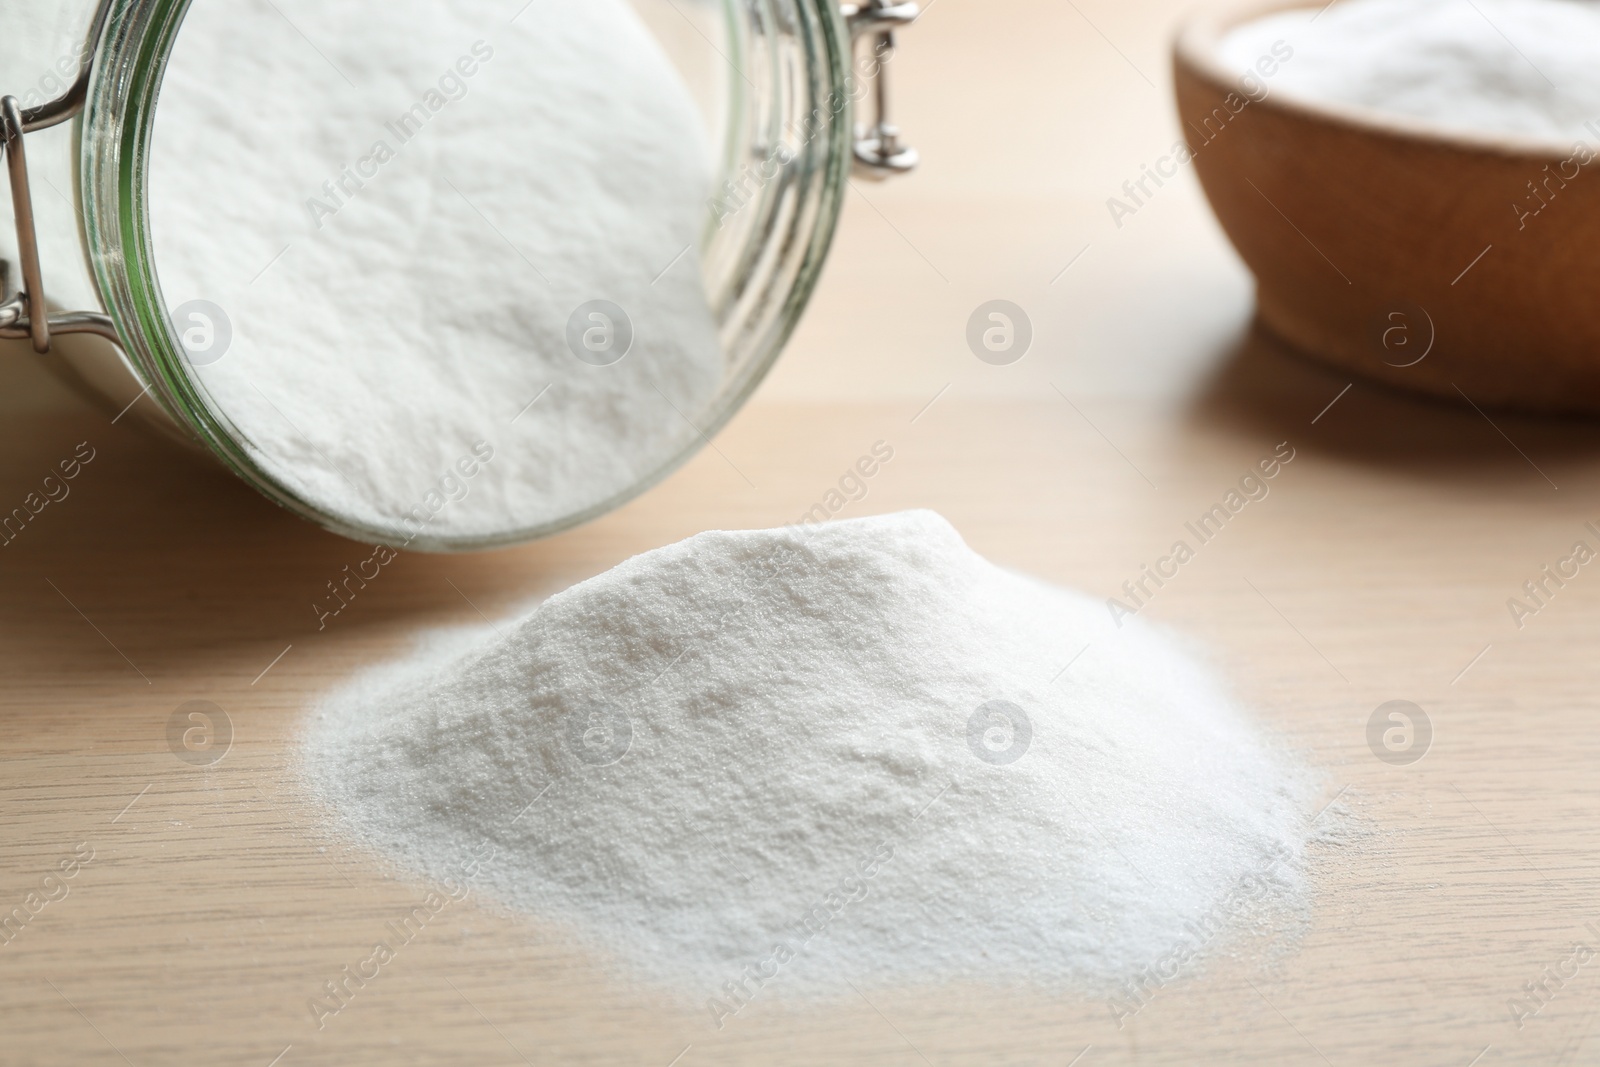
{"x":436,"y":267}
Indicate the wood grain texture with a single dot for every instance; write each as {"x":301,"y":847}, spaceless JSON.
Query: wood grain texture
{"x":217,"y":902}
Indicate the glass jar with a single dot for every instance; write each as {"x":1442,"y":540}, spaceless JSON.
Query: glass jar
{"x":774,"y":82}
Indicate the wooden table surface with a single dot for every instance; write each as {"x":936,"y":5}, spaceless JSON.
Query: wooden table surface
{"x":216,"y":903}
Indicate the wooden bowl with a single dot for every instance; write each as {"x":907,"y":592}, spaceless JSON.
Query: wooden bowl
{"x":1462,"y":265}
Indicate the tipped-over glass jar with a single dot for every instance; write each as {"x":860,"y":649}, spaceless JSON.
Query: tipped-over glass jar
{"x":437,"y":276}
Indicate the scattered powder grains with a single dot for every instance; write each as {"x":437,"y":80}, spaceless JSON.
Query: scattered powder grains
{"x":1487,"y":66}
{"x":785,"y":759}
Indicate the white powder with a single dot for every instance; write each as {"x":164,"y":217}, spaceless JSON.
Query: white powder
{"x":760,"y":750}
{"x":388,"y":322}
{"x":1522,"y":67}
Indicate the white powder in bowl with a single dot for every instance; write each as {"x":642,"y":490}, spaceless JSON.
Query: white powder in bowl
{"x":400,"y":204}
{"x":1520,"y":67}
{"x":829,"y":753}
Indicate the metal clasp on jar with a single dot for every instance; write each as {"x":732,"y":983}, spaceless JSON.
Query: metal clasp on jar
{"x":879,"y":152}
{"x":23,"y":314}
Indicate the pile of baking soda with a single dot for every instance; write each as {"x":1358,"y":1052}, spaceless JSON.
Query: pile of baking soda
{"x":1520,"y":67}
{"x":858,"y":751}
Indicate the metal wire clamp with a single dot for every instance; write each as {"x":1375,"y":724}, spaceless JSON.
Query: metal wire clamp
{"x":23,"y":313}
{"x":878,"y":149}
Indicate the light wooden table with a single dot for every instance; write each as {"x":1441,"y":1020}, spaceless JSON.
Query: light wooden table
{"x":1378,"y":569}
